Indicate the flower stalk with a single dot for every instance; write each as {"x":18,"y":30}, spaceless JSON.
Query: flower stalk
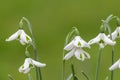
{"x":38,"y":71}
{"x":98,"y":64}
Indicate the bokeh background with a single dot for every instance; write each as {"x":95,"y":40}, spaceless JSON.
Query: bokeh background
{"x":51,"y":21}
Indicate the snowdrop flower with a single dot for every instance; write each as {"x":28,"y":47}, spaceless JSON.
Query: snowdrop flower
{"x":115,"y":65}
{"x":115,"y":34}
{"x":21,"y":36}
{"x":75,"y":48}
{"x":28,"y":64}
{"x":102,"y":40}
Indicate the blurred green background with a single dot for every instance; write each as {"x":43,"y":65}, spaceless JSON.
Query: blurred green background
{"x":51,"y":21}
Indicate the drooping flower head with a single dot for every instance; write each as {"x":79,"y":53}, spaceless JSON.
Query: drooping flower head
{"x":75,"y":48}
{"x":102,"y":40}
{"x":115,"y":65}
{"x":21,"y":36}
{"x":115,"y":34}
{"x":28,"y":64}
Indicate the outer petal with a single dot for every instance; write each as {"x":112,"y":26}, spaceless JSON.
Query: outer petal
{"x":77,"y":41}
{"x":69,"y":46}
{"x":95,"y":40}
{"x":115,"y":65}
{"x":14,"y":36}
{"x":70,"y":54}
{"x":38,"y":64}
{"x":108,"y":41}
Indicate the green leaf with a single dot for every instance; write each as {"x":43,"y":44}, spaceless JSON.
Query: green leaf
{"x":10,"y":77}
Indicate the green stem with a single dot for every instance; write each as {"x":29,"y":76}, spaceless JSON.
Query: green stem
{"x":10,"y":77}
{"x":85,"y":75}
{"x":63,"y":70}
{"x":98,"y":64}
{"x":109,"y":30}
{"x":38,"y":71}
{"x":112,"y":62}
{"x":73,"y":70}
{"x":30,"y":77}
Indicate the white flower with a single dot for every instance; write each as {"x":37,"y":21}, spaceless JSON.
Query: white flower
{"x":21,"y":36}
{"x":76,"y":46}
{"x":102,"y":40}
{"x":115,"y":34}
{"x":79,"y":53}
{"x":115,"y":65}
{"x":28,"y":64}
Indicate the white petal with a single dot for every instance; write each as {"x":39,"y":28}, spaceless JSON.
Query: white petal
{"x":77,"y":54}
{"x":69,"y":55}
{"x":26,"y":70}
{"x":108,"y":41}
{"x":84,"y":44}
{"x":115,"y":65}
{"x":21,"y":69}
{"x":27,"y":63}
{"x":77,"y":41}
{"x":69,"y":46}
{"x":102,"y":45}
{"x":82,"y":56}
{"x":14,"y":36}
{"x":38,"y":64}
{"x":95,"y":40}
{"x":23,"y":43}
{"x":23,"y":37}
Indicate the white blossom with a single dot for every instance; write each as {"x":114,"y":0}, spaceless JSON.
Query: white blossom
{"x":102,"y":40}
{"x":21,"y":36}
{"x":115,"y":65}
{"x":28,"y":64}
{"x":115,"y":34}
{"x":75,"y":48}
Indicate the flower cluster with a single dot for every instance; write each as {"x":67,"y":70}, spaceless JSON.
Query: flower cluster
{"x":75,"y":47}
{"x":24,"y":39}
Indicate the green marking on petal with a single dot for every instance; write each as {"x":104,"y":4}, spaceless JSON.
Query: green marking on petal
{"x":31,"y":66}
{"x":101,"y":41}
{"x":79,"y":44}
{"x":18,"y":37}
{"x":80,"y":56}
{"x":118,"y":34}
{"x":22,"y":66}
{"x":27,"y":38}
